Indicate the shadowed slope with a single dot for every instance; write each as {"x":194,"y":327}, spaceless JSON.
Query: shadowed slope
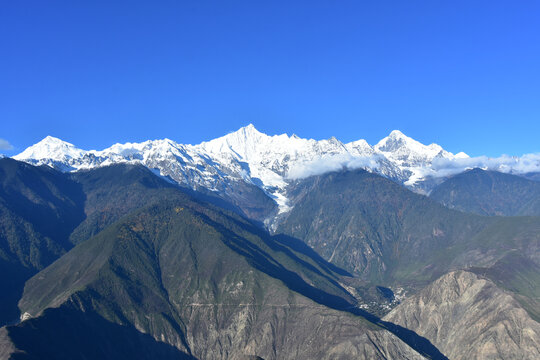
{"x":489,"y":193}
{"x":377,"y":229}
{"x":84,"y":335}
{"x":39,"y":207}
{"x":212,"y":285}
{"x":43,"y":212}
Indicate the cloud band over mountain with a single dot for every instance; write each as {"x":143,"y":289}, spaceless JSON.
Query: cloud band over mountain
{"x":527,"y":163}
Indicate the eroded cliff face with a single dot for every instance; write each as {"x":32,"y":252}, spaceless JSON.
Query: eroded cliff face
{"x":469,"y":317}
{"x":298,"y":330}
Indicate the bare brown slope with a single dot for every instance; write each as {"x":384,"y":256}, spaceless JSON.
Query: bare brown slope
{"x":469,"y":317}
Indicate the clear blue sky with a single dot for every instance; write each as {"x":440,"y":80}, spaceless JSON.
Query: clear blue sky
{"x":464,"y":74}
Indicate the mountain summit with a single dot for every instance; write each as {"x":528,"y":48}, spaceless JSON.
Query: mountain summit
{"x":51,"y":148}
{"x":248,"y":157}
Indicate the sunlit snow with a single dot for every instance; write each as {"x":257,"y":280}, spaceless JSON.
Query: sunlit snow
{"x":271,"y":162}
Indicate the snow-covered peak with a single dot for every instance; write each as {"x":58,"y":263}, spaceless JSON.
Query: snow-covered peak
{"x":332,"y":145}
{"x":413,"y":157}
{"x":397,"y":140}
{"x":360,"y":148}
{"x":407,"y":151}
{"x":243,"y":143}
{"x":51,"y":148}
{"x":128,"y":149}
{"x":249,"y":130}
{"x":275,"y":152}
{"x":396,"y":134}
{"x":243,"y":135}
{"x":250,"y":156}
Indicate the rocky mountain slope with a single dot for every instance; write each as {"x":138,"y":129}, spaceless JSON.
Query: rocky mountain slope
{"x":184,"y":279}
{"x":387,"y":234}
{"x":518,"y":275}
{"x":489,"y":193}
{"x":469,"y":317}
{"x":39,"y":208}
{"x":44,"y":213}
{"x":147,"y":268}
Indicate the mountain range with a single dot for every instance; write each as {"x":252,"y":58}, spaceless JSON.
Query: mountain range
{"x":160,"y":273}
{"x":248,"y":160}
{"x":252,"y":246}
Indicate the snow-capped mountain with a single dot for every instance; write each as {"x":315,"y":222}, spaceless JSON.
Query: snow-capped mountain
{"x":247,"y":155}
{"x":53,"y":152}
{"x":250,"y":157}
{"x":405,"y":151}
{"x":412,"y":156}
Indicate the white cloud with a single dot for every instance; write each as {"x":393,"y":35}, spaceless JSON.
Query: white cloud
{"x":331,"y":163}
{"x":505,"y":163}
{"x":440,"y":167}
{"x":5,"y":145}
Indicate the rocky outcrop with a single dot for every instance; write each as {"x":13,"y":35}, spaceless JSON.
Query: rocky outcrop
{"x":490,"y":193}
{"x":301,"y":330}
{"x":469,"y":317}
{"x":298,"y":331}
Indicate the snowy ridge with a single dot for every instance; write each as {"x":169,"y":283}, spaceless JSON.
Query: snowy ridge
{"x":412,"y":156}
{"x":52,"y":151}
{"x":272,"y":162}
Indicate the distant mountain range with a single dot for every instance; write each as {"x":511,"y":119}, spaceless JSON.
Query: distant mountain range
{"x":257,"y":247}
{"x":490,"y":193}
{"x":248,"y":157}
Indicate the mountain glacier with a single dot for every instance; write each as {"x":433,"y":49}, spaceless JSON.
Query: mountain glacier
{"x":270,"y":163}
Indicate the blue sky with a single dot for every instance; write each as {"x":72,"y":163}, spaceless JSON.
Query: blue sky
{"x":464,"y":74}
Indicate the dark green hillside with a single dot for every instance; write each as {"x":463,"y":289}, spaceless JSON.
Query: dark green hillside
{"x":532,"y":176}
{"x":249,"y":200}
{"x":178,"y":234}
{"x":368,"y":225}
{"x":43,"y":213}
{"x":387,"y":234}
{"x":39,"y":208}
{"x":489,"y":193}
{"x":205,"y":281}
{"x":114,"y":191}
{"x":46,"y":198}
{"x":84,"y":335}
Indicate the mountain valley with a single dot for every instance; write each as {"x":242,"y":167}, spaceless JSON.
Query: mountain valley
{"x":252,"y":246}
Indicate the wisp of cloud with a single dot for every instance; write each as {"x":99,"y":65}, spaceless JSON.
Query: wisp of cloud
{"x":505,"y":163}
{"x":332,"y":163}
{"x":5,"y":145}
